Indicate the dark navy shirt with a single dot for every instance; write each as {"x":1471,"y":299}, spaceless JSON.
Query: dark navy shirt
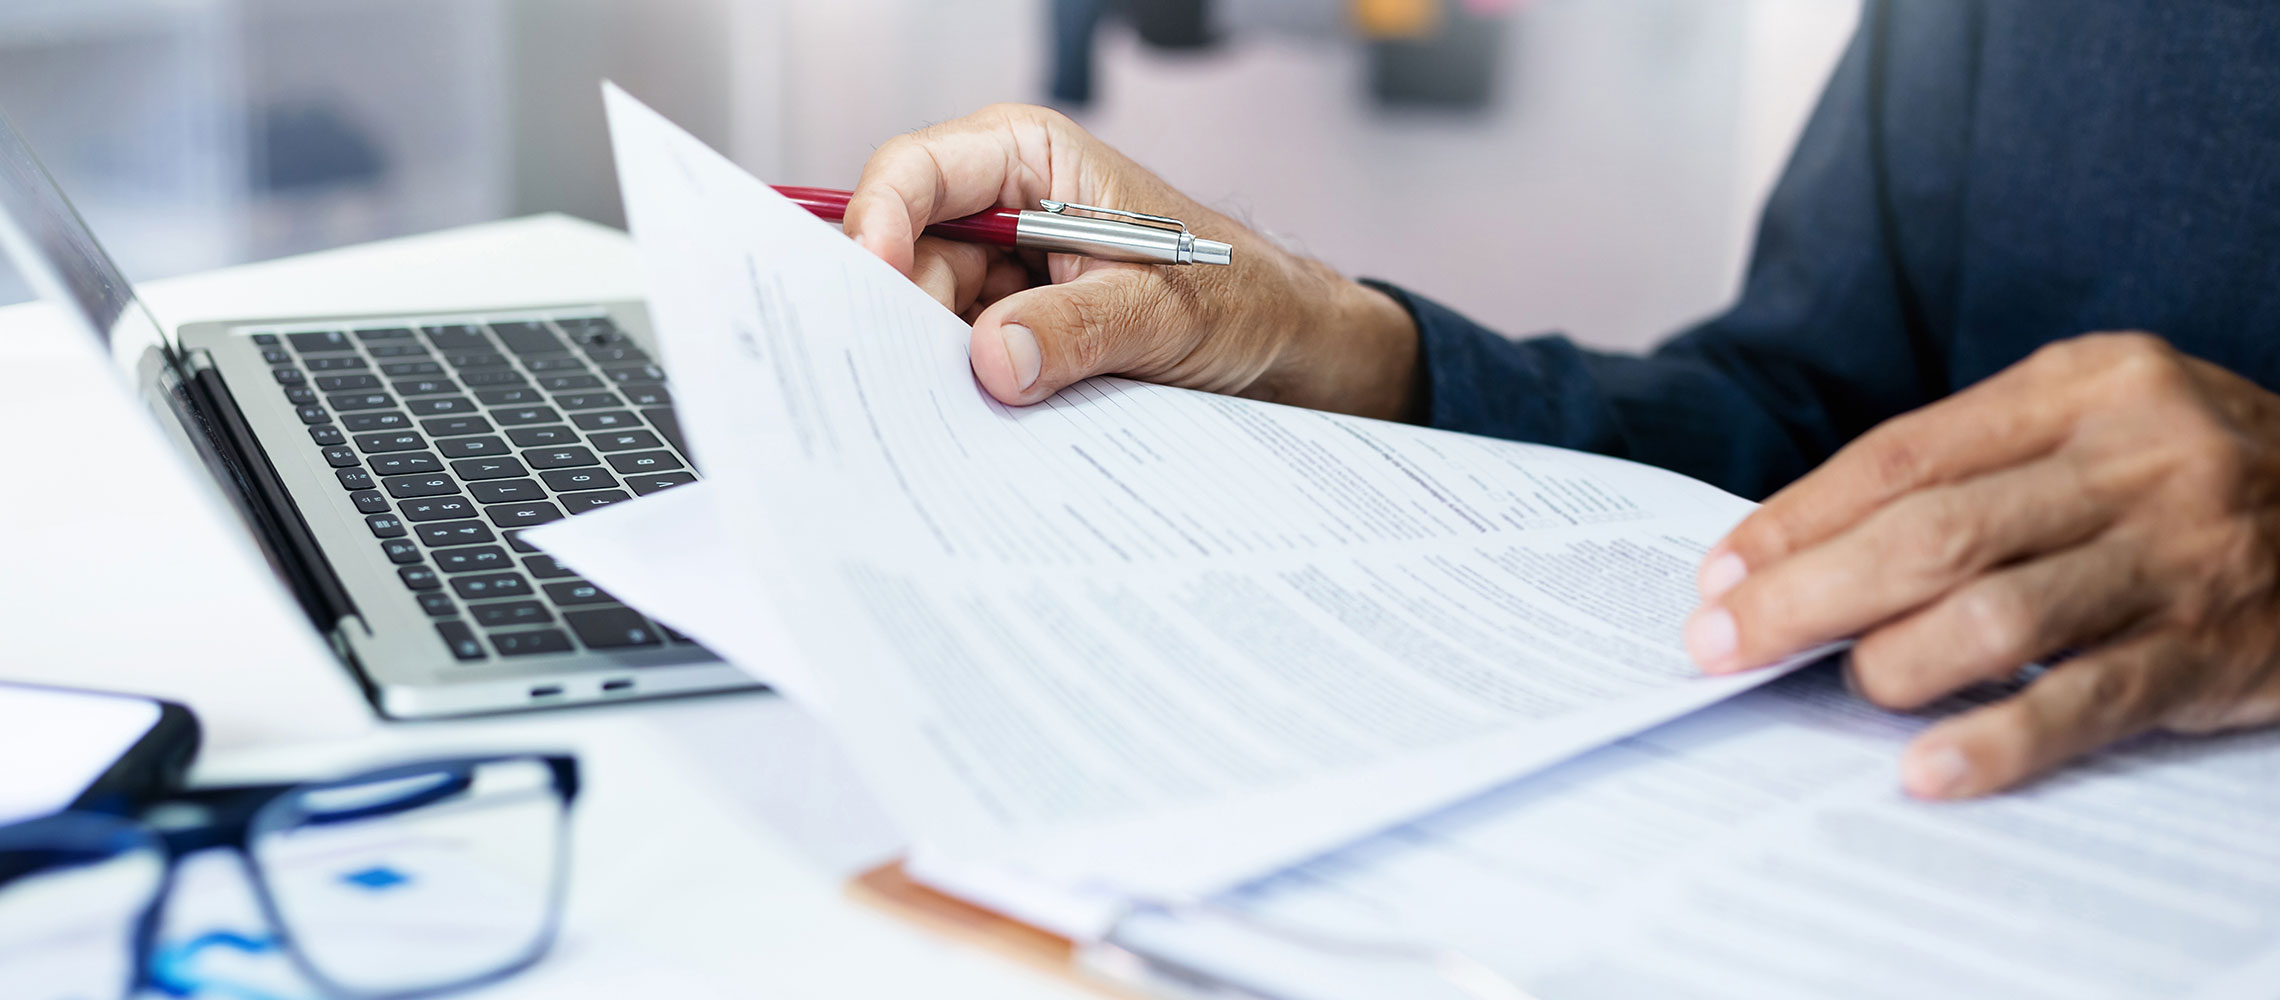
{"x":1979,"y":179}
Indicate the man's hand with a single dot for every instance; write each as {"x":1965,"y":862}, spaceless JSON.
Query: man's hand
{"x":1271,"y":326}
{"x":2107,"y":496}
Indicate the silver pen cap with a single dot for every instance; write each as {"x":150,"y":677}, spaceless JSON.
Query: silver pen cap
{"x":1152,"y":239}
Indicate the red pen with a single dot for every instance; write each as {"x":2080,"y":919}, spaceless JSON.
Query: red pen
{"x":1145,"y":239}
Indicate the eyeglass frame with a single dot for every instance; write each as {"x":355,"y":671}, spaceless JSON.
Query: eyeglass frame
{"x":236,"y":820}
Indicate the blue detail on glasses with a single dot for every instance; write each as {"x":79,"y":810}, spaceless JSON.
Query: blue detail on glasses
{"x":376,"y":878}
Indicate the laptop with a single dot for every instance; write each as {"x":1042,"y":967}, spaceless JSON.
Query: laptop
{"x":387,"y":466}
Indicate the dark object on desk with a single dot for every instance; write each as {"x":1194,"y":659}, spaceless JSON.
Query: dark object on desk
{"x":1454,"y":67}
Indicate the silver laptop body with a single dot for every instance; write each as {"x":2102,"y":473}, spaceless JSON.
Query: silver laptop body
{"x":386,"y":465}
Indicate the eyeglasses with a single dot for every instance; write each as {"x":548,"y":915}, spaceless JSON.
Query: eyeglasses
{"x":403,"y":882}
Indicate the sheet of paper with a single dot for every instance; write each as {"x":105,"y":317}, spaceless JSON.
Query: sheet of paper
{"x":1137,"y":638}
{"x":1761,"y":849}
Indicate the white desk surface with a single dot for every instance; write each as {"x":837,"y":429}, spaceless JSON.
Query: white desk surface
{"x":714,"y":835}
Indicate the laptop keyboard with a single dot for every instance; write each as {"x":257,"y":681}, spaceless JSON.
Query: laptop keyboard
{"x":453,"y":438}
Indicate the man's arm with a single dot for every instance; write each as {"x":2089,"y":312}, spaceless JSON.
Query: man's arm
{"x":1837,"y":327}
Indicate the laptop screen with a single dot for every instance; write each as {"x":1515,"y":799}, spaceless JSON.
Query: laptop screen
{"x":62,"y":262}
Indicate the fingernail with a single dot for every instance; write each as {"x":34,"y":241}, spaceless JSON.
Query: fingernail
{"x":1935,"y":774}
{"x":1720,"y":574}
{"x":1710,"y":639}
{"x":1021,"y":353}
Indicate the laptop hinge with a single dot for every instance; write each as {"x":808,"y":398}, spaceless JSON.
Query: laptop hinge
{"x":292,"y":546}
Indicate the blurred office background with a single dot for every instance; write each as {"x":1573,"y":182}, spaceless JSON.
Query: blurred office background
{"x":1592,"y":166}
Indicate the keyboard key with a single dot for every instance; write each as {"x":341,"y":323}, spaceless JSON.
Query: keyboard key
{"x":455,"y":533}
{"x":385,"y":526}
{"x":419,"y":577}
{"x":560,"y":363}
{"x":468,"y":560}
{"x":635,"y":375}
{"x":435,"y":406}
{"x":587,"y":401}
{"x":384,"y":333}
{"x":565,"y":480}
{"x":486,"y":379}
{"x":612,"y":628}
{"x":276,"y":356}
{"x":405,"y":463}
{"x":353,"y":478}
{"x":546,"y":567}
{"x":579,"y":503}
{"x":535,"y":437}
{"x":508,"y":613}
{"x":328,"y":435}
{"x":410,"y":369}
{"x":526,"y":415}
{"x":521,"y":395}
{"x":644,"y":461}
{"x":648,"y":395}
{"x":386,"y":420}
{"x":300,"y":395}
{"x":620,"y":354}
{"x":488,"y":468}
{"x":264,"y":339}
{"x":457,"y":337}
{"x":527,"y":338}
{"x":443,"y":427}
{"x":667,"y":424}
{"x":312,"y":343}
{"x":506,"y":491}
{"x":424,"y":387}
{"x":369,"y":502}
{"x":361,"y":401}
{"x":651,"y":483}
{"x":397,"y":350}
{"x":312,"y":415}
{"x":340,"y":457}
{"x":288,"y":376}
{"x":401,"y":550}
{"x":559,"y":458}
{"x":515,"y":541}
{"x":438,"y":604}
{"x":612,"y":420}
{"x":408,"y":487}
{"x":623,"y":440}
{"x":523,"y":515}
{"x":461,"y":639}
{"x":490,"y":585}
{"x":437,"y":509}
{"x":476,"y":359}
{"x":577,"y":592}
{"x":545,"y":640}
{"x":389,"y":441}
{"x":347,"y":362}
{"x":472,"y":447}
{"x":580,"y":328}
{"x":560,"y":383}
{"x":346,"y":383}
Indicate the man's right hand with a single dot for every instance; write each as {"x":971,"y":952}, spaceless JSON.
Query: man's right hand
{"x":1272,"y":325}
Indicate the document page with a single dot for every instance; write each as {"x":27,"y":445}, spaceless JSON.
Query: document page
{"x":1138,"y":638}
{"x":1761,"y":849}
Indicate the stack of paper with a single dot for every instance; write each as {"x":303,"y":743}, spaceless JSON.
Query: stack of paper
{"x":1145,"y":647}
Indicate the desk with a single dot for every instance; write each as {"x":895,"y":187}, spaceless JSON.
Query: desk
{"x":715,"y":834}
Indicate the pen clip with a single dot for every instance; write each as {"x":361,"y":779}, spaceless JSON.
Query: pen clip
{"x":1153,"y":221}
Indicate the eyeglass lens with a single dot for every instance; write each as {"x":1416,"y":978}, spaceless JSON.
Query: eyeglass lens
{"x":69,"y":914}
{"x":419,"y":880}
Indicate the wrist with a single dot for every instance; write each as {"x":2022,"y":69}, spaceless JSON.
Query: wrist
{"x":1352,"y":349}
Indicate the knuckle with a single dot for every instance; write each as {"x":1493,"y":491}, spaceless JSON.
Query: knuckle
{"x":1938,"y":533}
{"x":2001,"y":623}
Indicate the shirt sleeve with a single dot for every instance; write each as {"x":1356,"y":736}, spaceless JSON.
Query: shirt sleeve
{"x":1826,"y":339}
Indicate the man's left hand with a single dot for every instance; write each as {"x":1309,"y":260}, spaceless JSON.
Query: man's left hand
{"x":2107,"y":497}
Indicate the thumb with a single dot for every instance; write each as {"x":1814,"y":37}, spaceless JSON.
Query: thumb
{"x":1107,"y":320}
